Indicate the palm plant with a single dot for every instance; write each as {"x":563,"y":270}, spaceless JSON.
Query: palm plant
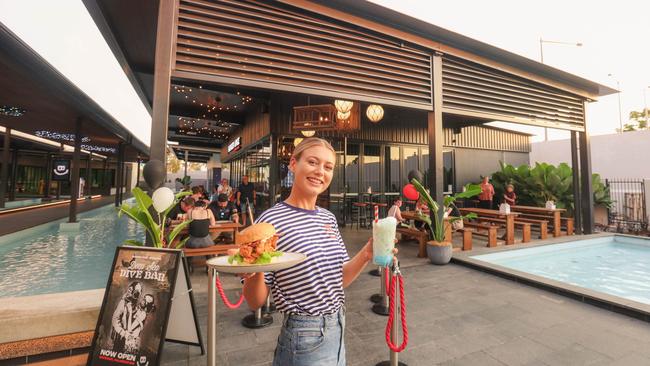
{"x":438,"y":226}
{"x":140,"y":212}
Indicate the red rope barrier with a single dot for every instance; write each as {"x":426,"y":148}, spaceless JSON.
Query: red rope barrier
{"x":225,"y":299}
{"x":391,"y":315}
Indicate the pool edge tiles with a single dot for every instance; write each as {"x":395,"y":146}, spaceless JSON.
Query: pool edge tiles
{"x":604,"y":300}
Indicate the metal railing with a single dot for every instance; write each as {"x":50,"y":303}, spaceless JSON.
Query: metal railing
{"x":628,"y":212}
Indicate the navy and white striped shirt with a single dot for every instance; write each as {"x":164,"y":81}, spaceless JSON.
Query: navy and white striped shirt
{"x":315,"y":286}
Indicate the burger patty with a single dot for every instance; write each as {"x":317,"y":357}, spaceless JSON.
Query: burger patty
{"x":251,"y":251}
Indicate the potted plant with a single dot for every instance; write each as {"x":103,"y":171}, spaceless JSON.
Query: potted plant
{"x":141,"y":212}
{"x":438,"y":250}
{"x":186,"y":181}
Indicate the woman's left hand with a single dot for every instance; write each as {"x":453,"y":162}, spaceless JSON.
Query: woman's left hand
{"x":367,"y":249}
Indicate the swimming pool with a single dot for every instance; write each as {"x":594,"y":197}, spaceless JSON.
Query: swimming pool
{"x":43,"y":260}
{"x":615,"y":265}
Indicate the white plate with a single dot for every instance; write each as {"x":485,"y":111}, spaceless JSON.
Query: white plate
{"x":286,"y":260}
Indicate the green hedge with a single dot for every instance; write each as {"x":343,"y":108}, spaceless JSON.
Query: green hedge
{"x":534,"y":186}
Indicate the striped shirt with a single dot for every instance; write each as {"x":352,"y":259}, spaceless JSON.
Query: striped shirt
{"x":315,"y":286}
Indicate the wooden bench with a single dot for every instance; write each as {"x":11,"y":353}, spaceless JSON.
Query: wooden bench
{"x":541,"y":224}
{"x":467,"y":238}
{"x":420,"y":236}
{"x":566,"y":222}
{"x":525,"y":226}
{"x":491,"y":232}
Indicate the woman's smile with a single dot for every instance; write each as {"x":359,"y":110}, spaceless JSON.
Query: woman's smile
{"x":315,"y":181}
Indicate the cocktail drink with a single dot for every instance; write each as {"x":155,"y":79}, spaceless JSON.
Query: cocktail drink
{"x":383,"y":241}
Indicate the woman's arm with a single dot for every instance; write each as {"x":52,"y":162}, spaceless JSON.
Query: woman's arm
{"x":255,"y":290}
{"x":398,"y":215}
{"x":353,"y":267}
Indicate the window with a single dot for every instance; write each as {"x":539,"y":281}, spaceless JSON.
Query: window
{"x":410,"y":161}
{"x":448,"y":164}
{"x":391,"y":161}
{"x":352,"y":169}
{"x":371,"y":174}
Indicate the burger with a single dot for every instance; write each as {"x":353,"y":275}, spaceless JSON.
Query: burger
{"x":256,"y":244}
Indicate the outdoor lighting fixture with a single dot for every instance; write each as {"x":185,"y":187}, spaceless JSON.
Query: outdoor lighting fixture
{"x":11,"y":111}
{"x":308,"y":133}
{"x":297,"y":141}
{"x":343,"y":116}
{"x":59,"y":136}
{"x":375,"y":113}
{"x":96,"y":148}
{"x":343,"y":106}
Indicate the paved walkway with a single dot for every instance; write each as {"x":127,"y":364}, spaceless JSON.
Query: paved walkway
{"x":10,"y":223}
{"x":456,"y":316}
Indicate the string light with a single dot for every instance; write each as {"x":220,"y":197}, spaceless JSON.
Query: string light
{"x":11,"y":111}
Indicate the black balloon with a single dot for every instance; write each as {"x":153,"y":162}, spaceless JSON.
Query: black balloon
{"x":154,"y":173}
{"x":417,"y":175}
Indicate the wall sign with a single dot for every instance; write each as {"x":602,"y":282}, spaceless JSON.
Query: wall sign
{"x":61,"y":170}
{"x":148,"y":300}
{"x":234,"y":145}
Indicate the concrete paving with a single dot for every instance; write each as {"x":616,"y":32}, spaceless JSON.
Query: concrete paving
{"x":456,"y":316}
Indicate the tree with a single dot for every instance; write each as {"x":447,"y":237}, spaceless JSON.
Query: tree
{"x":173,"y":164}
{"x":638,"y":121}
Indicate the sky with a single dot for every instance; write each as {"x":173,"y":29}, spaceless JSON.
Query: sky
{"x":613,"y":34}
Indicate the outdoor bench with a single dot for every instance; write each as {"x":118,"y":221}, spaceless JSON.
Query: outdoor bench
{"x":420,"y":236}
{"x":525,"y":226}
{"x":542,"y":225}
{"x":566,"y":222}
{"x":491,"y":234}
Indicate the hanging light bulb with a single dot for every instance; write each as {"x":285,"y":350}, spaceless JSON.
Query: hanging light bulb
{"x":343,"y":106}
{"x":308,"y":133}
{"x":343,"y":116}
{"x":375,"y":113}
{"x":297,"y":141}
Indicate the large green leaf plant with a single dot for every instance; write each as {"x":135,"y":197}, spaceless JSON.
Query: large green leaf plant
{"x":546,"y":182}
{"x":141,"y":212}
{"x":438,"y":226}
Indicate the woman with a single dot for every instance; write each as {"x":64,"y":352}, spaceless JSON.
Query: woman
{"x":395,"y":210}
{"x":487,"y":194}
{"x":509,"y":195}
{"x":202,"y":218}
{"x":310,"y":294}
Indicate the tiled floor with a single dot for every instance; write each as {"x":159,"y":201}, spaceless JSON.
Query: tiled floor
{"x":456,"y":316}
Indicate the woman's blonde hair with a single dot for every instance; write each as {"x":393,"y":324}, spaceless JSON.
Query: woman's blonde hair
{"x":309,"y":143}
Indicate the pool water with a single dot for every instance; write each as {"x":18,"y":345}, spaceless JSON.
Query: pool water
{"x":43,"y":259}
{"x":21,"y":203}
{"x":616,"y":265}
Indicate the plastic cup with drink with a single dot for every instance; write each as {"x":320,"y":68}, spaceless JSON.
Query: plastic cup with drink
{"x":383,"y":241}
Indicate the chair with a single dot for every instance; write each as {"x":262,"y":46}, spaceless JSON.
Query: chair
{"x":359,"y":214}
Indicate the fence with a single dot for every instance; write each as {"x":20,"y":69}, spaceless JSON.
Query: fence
{"x":628,"y":211}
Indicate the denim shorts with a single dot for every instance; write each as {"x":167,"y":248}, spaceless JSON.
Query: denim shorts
{"x":311,"y":340}
{"x":243,"y":208}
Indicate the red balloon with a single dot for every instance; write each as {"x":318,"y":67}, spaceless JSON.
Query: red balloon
{"x":410,"y":192}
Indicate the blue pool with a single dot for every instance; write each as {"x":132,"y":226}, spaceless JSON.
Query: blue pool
{"x":43,"y":260}
{"x":615,"y":265}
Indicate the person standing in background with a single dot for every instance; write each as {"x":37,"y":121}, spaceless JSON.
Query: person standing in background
{"x":509,"y":196}
{"x":245,"y":197}
{"x":487,"y":193}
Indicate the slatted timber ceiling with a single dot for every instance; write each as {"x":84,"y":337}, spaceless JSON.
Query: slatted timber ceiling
{"x":264,"y":45}
{"x":476,"y":90}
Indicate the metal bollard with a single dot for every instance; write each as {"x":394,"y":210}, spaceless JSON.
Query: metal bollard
{"x":212,"y":316}
{"x":381,"y":307}
{"x":382,"y":287}
{"x":269,"y":307}
{"x":258,"y":319}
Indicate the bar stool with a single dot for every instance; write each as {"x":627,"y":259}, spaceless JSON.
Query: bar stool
{"x":359,"y":213}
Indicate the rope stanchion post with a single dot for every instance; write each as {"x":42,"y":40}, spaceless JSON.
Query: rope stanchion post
{"x":382,"y":287}
{"x":212,"y":316}
{"x":396,"y":319}
{"x":381,"y":307}
{"x":269,"y":307}
{"x":257,"y":319}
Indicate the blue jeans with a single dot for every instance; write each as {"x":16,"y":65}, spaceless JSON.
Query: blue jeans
{"x":311,"y":340}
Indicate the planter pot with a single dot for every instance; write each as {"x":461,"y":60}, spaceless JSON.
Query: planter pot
{"x":439,"y":252}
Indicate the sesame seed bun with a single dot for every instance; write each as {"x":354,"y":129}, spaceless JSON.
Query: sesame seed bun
{"x":255,"y":232}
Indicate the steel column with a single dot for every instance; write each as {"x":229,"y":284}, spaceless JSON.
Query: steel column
{"x":164,"y":60}
{"x":13,"y":175}
{"x":435,"y":134}
{"x":274,"y":169}
{"x":587,"y":198}
{"x":4,"y":175}
{"x":137,"y":179}
{"x":89,"y":174}
{"x":575,"y":166}
{"x":106,"y":184}
{"x":48,"y":175}
{"x":76,"y":161}
{"x":118,"y":174}
{"x":187,"y":156}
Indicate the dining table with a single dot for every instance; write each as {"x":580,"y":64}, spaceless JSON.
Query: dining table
{"x":415,"y":216}
{"x":215,"y":230}
{"x":509,"y":217}
{"x":555,"y":213}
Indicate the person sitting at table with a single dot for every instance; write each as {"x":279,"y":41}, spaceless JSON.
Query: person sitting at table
{"x":395,"y":210}
{"x":199,"y":228}
{"x":181,"y":208}
{"x":487,"y":193}
{"x":509,"y":196}
{"x":421,"y":207}
{"x":224,"y":210}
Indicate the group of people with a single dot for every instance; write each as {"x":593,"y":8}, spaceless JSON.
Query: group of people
{"x":223,"y":204}
{"x":486,"y":197}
